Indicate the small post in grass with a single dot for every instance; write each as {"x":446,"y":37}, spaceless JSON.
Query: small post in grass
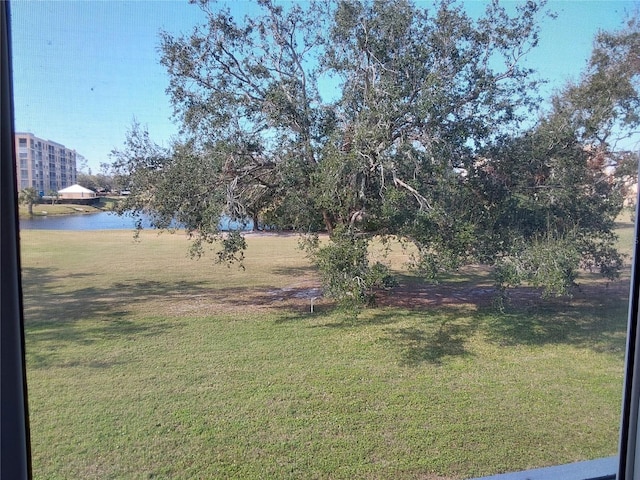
{"x":312,"y":299}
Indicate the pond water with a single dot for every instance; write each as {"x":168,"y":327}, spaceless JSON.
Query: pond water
{"x":101,"y":221}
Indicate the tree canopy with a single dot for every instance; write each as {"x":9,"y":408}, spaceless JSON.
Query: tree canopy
{"x":100,"y":182}
{"x":384,"y":119}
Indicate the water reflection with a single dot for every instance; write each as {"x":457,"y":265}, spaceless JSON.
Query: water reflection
{"x":103,"y":221}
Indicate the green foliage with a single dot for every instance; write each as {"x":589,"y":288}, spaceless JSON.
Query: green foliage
{"x":547,"y":263}
{"x":100,"y":182}
{"x":233,"y":246}
{"x":347,"y":275}
{"x":54,"y":196}
{"x":29,"y":196}
{"x":422,"y":138}
{"x":604,"y":105}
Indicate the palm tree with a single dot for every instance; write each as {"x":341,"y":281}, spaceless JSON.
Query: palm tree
{"x":29,"y":196}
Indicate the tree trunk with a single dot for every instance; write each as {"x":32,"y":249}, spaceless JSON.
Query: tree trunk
{"x":327,"y":222}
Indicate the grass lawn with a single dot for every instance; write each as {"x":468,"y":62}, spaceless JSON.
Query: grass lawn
{"x":47,"y":209}
{"x":143,"y":363}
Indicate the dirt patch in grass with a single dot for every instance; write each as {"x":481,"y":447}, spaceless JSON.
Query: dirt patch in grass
{"x":300,"y":297}
{"x":305,"y":295}
{"x":418,"y":296}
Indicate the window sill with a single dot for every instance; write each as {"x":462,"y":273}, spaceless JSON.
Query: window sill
{"x":600,"y":469}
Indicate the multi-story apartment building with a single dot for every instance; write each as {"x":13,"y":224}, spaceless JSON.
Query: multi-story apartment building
{"x":43,"y":164}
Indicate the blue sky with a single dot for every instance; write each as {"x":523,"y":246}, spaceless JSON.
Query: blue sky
{"x":83,"y":70}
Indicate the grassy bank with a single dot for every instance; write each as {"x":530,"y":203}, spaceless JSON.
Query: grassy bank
{"x":143,"y":363}
{"x":47,"y":209}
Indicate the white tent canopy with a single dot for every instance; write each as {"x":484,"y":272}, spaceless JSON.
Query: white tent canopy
{"x":76,"y":191}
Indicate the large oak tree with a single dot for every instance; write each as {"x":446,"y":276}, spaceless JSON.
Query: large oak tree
{"x":382,"y":119}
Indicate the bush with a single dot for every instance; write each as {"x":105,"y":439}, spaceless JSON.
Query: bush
{"x":347,"y":276}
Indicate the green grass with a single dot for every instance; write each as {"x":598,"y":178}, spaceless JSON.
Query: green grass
{"x":143,"y":363}
{"x":47,"y":209}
